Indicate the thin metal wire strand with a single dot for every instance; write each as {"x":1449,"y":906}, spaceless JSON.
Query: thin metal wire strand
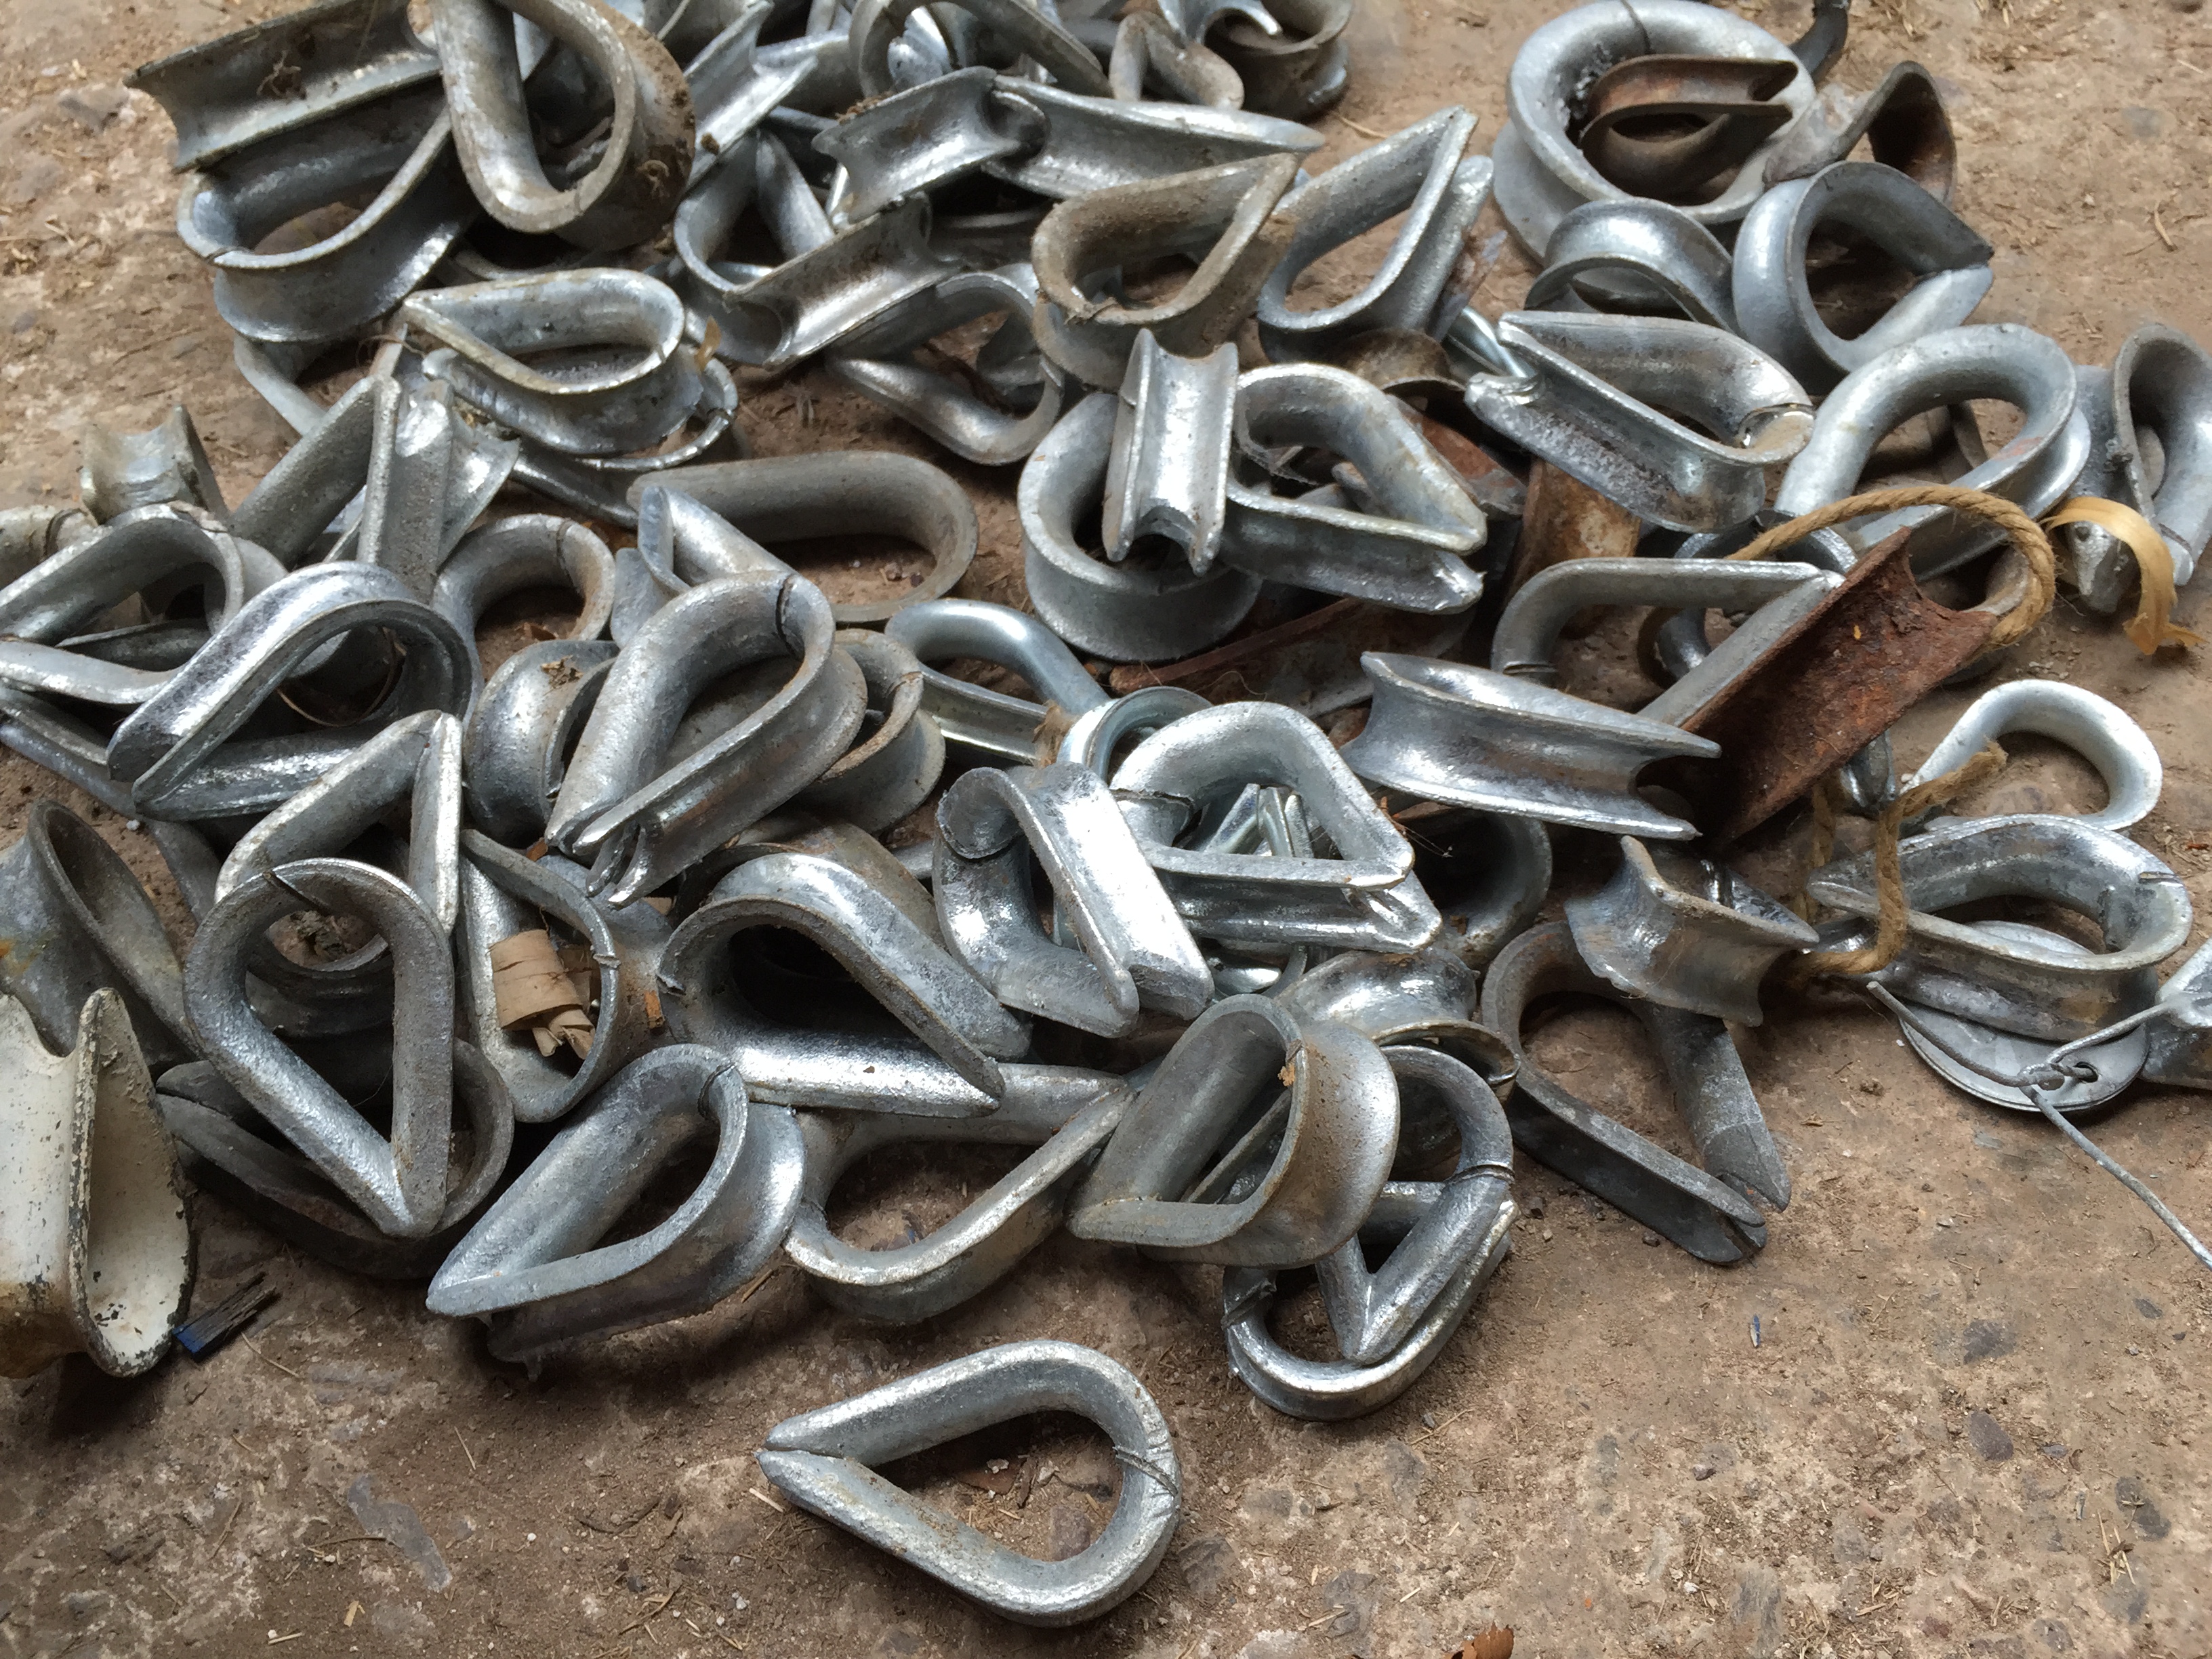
{"x":2036,"y":1079}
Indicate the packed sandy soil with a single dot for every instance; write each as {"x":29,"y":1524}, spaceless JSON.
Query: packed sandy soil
{"x":1969,"y":1426}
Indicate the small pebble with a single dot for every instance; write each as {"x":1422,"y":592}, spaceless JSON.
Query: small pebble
{"x":1428,"y":1419}
{"x":1547,"y":1235}
{"x":1701,"y":1471}
{"x":1536,"y":1206}
{"x":1987,"y":1437}
{"x":1651,"y":1238}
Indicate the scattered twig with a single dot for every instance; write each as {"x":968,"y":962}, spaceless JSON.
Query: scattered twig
{"x":229,"y":1523}
{"x":466,"y":1452}
{"x":1440,"y":1427}
{"x":772,"y":1503}
{"x":266,"y":1360}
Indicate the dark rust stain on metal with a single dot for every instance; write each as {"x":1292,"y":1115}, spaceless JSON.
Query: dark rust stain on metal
{"x":1495,"y":490}
{"x":1831,"y":685}
{"x":1403,"y":360}
{"x":1667,"y":125}
{"x":1565,"y":519}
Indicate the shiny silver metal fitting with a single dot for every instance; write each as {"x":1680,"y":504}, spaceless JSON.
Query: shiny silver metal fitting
{"x":1374,"y":1314}
{"x":978,"y":1247}
{"x":1489,"y":874}
{"x":1228,"y":217}
{"x":1096,"y":739}
{"x":1332,"y":1391}
{"x":31,"y":534}
{"x":172,"y":751}
{"x":1185,"y":782}
{"x":1218,"y":1161}
{"x":1542,"y":173}
{"x":45,"y":647}
{"x":2161,"y":383}
{"x":304,"y":1004}
{"x":1468,"y":737}
{"x":884,"y":360}
{"x":896,"y":764}
{"x":638,"y":169}
{"x":1778,"y":596}
{"x":830,"y":281}
{"x":430,"y":476}
{"x":95,"y":1250}
{"x":1149,"y":51}
{"x":1132,"y":951}
{"x":503,"y":894}
{"x":1296,"y":68}
{"x":528,"y":549}
{"x":2180,"y":1046}
{"x":1902,"y":122}
{"x":1964,"y":1054}
{"x":533,"y":1267}
{"x":844,"y":493}
{"x":1144,"y":610}
{"x":75,"y":923}
{"x":889,"y":950}
{"x":399,"y":450}
{"x":225,"y":1149}
{"x":2033,"y":470}
{"x":1707,"y":1211}
{"x":119,"y":472}
{"x":1167,"y":471}
{"x":1397,"y":528}
{"x":399,"y":153}
{"x":735,"y":84}
{"x":1379,"y":995}
{"x":1425,"y":1000}
{"x":416,"y":760}
{"x":515,"y":750}
{"x":640,"y":817}
{"x":925,"y":136}
{"x":632,"y":402}
{"x":399,"y":1182}
{"x":1670,"y":254}
{"x":1391,"y":1326}
{"x":877,"y":24}
{"x":1774,"y":305}
{"x":328,"y":58}
{"x":2095,"y":563}
{"x":823,"y":1461}
{"x":596,"y":486}
{"x":991,"y":721}
{"x":1102,"y":143}
{"x":2099,"y":732}
{"x":1422,"y":173}
{"x":2035,"y":989}
{"x":1685,"y":933}
{"x":62,"y":744}
{"x":1581,"y":390}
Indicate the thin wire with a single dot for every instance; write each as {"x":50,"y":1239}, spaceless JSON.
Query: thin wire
{"x":2037,"y":1078}
{"x":2157,"y":1206}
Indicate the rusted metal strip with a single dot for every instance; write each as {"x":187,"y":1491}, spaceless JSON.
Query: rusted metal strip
{"x":1844,"y":675}
{"x":1662,"y":125}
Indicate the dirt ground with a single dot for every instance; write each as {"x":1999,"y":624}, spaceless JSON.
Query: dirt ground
{"x":1968,"y":1423}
